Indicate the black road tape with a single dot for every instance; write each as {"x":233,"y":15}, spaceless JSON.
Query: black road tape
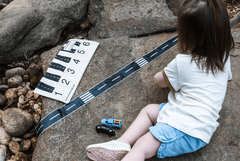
{"x":103,"y":86}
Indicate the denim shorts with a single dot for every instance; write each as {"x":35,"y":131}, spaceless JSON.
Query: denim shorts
{"x":173,"y":141}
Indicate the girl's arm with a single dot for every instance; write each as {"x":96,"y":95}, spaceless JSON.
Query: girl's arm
{"x":160,"y":80}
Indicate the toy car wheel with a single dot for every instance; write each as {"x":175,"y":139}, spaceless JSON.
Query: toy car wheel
{"x":98,"y":128}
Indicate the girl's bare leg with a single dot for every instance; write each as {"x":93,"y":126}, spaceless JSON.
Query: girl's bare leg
{"x":146,"y":118}
{"x":144,"y":148}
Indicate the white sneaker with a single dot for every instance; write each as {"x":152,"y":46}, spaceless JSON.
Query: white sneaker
{"x":108,"y":151}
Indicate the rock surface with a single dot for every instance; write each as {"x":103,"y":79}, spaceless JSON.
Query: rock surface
{"x":114,"y":18}
{"x":68,"y":139}
{"x":38,"y":22}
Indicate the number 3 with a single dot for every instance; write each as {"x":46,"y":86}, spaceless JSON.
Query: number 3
{"x":71,"y":71}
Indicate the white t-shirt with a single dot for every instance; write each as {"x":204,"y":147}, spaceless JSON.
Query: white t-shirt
{"x":194,"y":105}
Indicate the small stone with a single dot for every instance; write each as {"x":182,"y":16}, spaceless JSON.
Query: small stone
{"x":36,"y":118}
{"x":3,"y":152}
{"x":38,"y":109}
{"x":26,"y":78}
{"x":3,"y":100}
{"x":11,"y":93}
{"x":36,"y":96}
{"x":34,"y":142}
{"x":15,"y":71}
{"x":28,"y":71}
{"x":16,"y":121}
{"x":4,"y":80}
{"x":28,"y":135}
{"x":12,"y":158}
{"x":14,"y":147}
{"x":25,"y":145}
{"x":22,"y":91}
{"x":30,"y":94}
{"x":4,"y":87}
{"x":4,"y":137}
{"x":31,"y":103}
{"x":21,"y":157}
{"x":1,"y":123}
{"x":19,"y":105}
{"x":17,"y":139}
{"x":39,"y":103}
{"x":36,"y":74}
{"x":15,"y":81}
{"x":21,"y":99}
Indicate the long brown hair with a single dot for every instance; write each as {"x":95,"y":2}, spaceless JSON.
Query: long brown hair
{"x":204,"y":30}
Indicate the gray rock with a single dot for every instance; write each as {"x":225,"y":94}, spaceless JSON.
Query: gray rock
{"x":38,"y":22}
{"x":15,"y":81}
{"x":72,"y":135}
{"x":124,"y":101}
{"x":113,"y":18}
{"x":5,"y":137}
{"x":15,"y":71}
{"x":16,"y":121}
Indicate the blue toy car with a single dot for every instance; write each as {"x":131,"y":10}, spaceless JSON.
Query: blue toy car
{"x":114,"y":123}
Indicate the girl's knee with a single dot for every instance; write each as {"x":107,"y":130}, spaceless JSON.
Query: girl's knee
{"x":151,"y":111}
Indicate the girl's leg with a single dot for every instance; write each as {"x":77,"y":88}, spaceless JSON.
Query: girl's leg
{"x":146,"y":118}
{"x":144,"y":148}
{"x":116,"y":150}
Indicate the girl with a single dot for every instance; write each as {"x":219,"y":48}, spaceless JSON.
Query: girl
{"x":197,"y":79}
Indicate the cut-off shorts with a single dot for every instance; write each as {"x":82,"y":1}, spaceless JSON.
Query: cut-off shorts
{"x":173,"y":141}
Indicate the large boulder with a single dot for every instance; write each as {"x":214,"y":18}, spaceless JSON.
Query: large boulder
{"x":29,"y":25}
{"x":114,"y":18}
{"x":68,"y":139}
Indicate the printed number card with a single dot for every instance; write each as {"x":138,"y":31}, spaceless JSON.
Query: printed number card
{"x":66,"y":70}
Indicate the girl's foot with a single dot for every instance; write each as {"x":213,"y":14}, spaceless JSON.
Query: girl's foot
{"x":109,"y":151}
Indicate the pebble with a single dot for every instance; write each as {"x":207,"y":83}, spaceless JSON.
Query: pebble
{"x":26,"y":78}
{"x":21,"y":157}
{"x":4,"y":87}
{"x":1,"y":123}
{"x":36,"y":118}
{"x":22,"y":91}
{"x":3,"y":100}
{"x":16,"y":121}
{"x":15,"y":71}
{"x":3,"y":152}
{"x":36,"y":74}
{"x":30,"y":94}
{"x":38,"y":109}
{"x":34,"y":142}
{"x":11,"y":93}
{"x":14,"y":147}
{"x":21,"y":99}
{"x":28,"y":135}
{"x":25,"y":145}
{"x":15,"y":81}
{"x":17,"y":139}
{"x":4,"y":137}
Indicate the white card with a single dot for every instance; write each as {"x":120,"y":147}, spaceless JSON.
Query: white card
{"x":66,"y":70}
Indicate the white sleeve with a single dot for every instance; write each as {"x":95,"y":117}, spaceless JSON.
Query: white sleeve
{"x":228,"y":64}
{"x":171,"y":71}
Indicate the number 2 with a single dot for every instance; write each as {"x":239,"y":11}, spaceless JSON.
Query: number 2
{"x":65,"y":81}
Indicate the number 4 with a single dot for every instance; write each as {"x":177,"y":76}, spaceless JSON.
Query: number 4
{"x":76,"y":61}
